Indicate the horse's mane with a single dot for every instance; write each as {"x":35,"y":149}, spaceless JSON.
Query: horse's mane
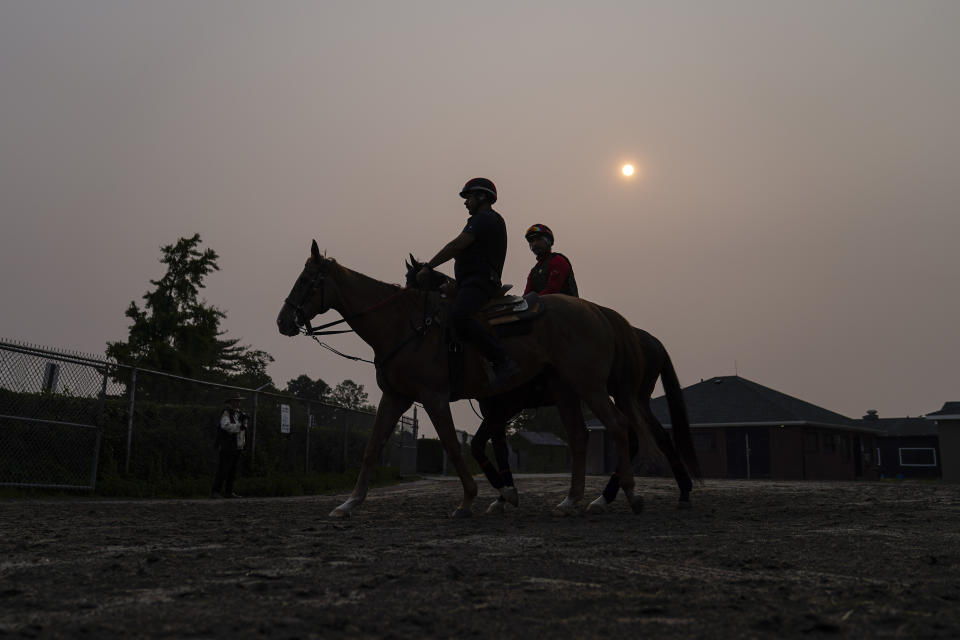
{"x":331,"y":263}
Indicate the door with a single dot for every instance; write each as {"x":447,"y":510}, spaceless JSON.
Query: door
{"x":748,"y":452}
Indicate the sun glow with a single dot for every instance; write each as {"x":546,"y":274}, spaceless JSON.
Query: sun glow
{"x":627,"y":170}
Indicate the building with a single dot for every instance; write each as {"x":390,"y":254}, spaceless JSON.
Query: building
{"x":742,"y":429}
{"x":538,"y":452}
{"x":907,"y":448}
{"x":947,"y":421}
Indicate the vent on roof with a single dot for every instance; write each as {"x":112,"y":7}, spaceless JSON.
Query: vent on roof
{"x":872,"y":415}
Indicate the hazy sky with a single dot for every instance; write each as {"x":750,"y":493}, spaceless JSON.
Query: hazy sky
{"x":796,"y":216}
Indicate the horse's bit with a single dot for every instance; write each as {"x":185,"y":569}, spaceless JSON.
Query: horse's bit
{"x":299,"y":316}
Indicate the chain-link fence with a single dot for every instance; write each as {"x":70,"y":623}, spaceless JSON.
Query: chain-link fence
{"x":67,"y":419}
{"x":51,"y":406}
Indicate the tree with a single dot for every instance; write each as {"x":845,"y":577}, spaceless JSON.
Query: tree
{"x":304,"y":387}
{"x":349,"y":394}
{"x":543,"y":419}
{"x":523,"y":421}
{"x":179,"y":333}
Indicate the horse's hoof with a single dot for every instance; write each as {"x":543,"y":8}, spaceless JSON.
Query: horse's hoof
{"x":566,"y":508}
{"x":636,"y":504}
{"x":461,"y":513}
{"x":511,"y":495}
{"x":684,"y":504}
{"x":497,"y":507}
{"x":598,"y":506}
{"x":343,"y":514}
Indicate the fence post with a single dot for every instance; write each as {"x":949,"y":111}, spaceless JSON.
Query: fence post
{"x":253,"y":436}
{"x":346,"y":431}
{"x":133,"y":390}
{"x":416,"y":442}
{"x":306,"y":446}
{"x":96,"y":448}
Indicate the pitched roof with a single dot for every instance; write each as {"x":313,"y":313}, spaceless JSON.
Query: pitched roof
{"x":902,"y":426}
{"x":732,"y":399}
{"x":949,"y":409}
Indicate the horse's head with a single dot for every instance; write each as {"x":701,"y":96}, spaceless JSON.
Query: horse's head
{"x":437,"y":280}
{"x":311,"y":295}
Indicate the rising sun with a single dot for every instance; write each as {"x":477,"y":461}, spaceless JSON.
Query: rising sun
{"x":627,"y":170}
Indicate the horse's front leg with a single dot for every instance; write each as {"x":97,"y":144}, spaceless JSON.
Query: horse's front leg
{"x":492,"y":428}
{"x":572,"y":418}
{"x":389,"y":410}
{"x":438,"y":408}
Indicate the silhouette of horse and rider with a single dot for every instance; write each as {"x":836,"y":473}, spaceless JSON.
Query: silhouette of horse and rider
{"x":431,"y":347}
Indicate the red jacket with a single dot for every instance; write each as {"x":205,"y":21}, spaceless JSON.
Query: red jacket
{"x":555,"y":269}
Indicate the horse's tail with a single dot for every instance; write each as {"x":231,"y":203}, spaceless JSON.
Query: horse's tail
{"x":679,"y":419}
{"x":644,"y":359}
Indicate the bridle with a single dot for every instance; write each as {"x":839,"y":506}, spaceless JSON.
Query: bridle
{"x":318,"y":284}
{"x":309,"y":292}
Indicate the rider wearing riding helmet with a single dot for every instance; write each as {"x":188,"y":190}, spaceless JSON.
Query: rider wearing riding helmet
{"x":553,"y":272}
{"x":478,"y":253}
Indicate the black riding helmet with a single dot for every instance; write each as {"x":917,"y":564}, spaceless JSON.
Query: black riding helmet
{"x":480,"y":184}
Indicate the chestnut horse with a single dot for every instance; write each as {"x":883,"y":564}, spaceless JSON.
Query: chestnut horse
{"x":411,"y":360}
{"x":499,"y":410}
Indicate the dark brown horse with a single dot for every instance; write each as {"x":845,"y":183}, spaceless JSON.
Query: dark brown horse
{"x":679,"y":453}
{"x":499,"y":410}
{"x":412,"y":365}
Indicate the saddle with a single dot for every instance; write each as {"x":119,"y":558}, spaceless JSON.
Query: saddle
{"x":510,"y":309}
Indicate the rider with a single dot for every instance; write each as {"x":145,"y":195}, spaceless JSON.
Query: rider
{"x":553,"y":272}
{"x":478,"y":253}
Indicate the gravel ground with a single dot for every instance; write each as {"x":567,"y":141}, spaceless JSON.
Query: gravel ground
{"x":751,"y":559}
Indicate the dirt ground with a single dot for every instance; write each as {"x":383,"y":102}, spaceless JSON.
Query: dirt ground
{"x":751,"y":559}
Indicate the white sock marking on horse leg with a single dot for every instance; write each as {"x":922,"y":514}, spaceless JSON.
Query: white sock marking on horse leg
{"x":344,"y":510}
{"x":566,"y":508}
{"x":598,"y":506}
{"x":497,"y":507}
{"x":511,"y":495}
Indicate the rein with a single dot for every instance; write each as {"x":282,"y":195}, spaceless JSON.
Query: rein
{"x":418,"y":332}
{"x":313,"y":332}
{"x":318,"y":331}
{"x":317,"y":283}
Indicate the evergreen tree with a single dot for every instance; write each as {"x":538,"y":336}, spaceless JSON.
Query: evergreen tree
{"x":177,"y":332}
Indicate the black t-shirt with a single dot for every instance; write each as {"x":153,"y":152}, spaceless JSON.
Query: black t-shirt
{"x":482,"y":261}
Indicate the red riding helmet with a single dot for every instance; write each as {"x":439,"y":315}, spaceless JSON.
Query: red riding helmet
{"x":480,"y":184}
{"x":539,"y":230}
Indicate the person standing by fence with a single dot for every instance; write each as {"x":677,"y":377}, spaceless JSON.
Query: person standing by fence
{"x":231,"y":439}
